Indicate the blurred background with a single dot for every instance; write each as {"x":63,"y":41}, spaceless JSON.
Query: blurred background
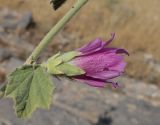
{"x":23,"y":23}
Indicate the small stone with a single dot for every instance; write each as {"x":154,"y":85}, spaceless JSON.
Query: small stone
{"x":4,"y":54}
{"x":12,"y":20}
{"x":25,"y":21}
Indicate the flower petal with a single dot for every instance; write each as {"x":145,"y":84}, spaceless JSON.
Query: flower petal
{"x":121,"y":51}
{"x":113,"y":50}
{"x":95,"y":45}
{"x":105,"y":75}
{"x":92,"y":46}
{"x":97,"y":62}
{"x":120,"y":66}
{"x":91,"y":81}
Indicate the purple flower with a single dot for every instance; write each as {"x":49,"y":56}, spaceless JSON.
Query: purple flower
{"x":100,"y":64}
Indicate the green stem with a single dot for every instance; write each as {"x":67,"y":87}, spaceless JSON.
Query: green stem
{"x":46,"y":40}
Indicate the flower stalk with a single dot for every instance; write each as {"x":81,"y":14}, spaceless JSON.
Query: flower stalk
{"x":47,"y":39}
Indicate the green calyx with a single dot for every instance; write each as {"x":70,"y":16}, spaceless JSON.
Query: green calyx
{"x":59,"y":64}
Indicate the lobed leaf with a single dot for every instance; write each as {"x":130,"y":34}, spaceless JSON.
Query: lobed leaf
{"x":31,"y":88}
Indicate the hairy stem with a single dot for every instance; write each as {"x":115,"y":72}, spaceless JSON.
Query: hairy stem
{"x":46,"y":40}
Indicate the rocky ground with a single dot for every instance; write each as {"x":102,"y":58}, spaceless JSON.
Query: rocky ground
{"x":135,"y":103}
{"x":75,"y":103}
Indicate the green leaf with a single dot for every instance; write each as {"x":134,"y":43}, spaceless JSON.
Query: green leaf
{"x":70,"y":70}
{"x":2,"y":91}
{"x":31,"y":88}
